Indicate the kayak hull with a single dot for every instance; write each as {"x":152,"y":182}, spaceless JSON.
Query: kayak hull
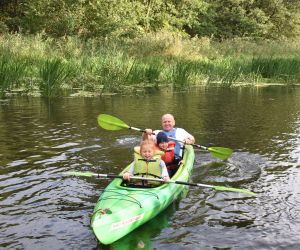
{"x":119,"y":210}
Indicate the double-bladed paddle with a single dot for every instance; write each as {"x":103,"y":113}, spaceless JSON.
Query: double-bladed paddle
{"x":109,"y":122}
{"x":218,"y":152}
{"x":112,"y":176}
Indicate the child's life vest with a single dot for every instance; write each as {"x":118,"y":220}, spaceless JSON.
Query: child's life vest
{"x":169,"y":156}
{"x":147,"y":169}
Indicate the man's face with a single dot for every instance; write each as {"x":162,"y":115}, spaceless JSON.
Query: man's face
{"x":168,"y":122}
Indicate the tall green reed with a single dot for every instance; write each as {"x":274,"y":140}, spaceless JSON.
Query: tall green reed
{"x":111,"y":72}
{"x":279,"y":69}
{"x":53,"y":72}
{"x":135,"y":73}
{"x":153,"y":70}
{"x":11,"y":71}
{"x":227,"y":71}
{"x":143,"y":71}
{"x":181,"y":73}
{"x":164,"y":59}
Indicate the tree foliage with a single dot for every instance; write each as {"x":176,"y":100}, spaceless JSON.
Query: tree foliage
{"x":130,"y":18}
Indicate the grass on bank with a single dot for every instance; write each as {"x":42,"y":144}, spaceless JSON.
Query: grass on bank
{"x":46,"y":66}
{"x":12,"y":71}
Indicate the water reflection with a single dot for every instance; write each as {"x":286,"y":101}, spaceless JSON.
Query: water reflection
{"x":141,"y":238}
{"x":40,"y":140}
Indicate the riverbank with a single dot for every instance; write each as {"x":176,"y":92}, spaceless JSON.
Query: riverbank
{"x":38,"y":65}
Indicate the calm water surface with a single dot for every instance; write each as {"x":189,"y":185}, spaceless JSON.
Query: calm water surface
{"x":40,"y":140}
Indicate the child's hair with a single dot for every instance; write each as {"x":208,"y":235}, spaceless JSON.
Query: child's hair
{"x":147,"y":142}
{"x":161,"y":137}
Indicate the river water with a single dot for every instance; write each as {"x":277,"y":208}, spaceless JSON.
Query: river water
{"x":40,"y":208}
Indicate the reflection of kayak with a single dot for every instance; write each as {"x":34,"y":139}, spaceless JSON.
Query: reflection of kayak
{"x":119,"y":209}
{"x":143,"y":235}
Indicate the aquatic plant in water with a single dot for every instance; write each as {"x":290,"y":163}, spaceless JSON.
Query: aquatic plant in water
{"x":53,"y":73}
{"x":10,"y":72}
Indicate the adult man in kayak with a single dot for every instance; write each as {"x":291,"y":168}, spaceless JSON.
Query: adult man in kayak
{"x":168,"y":127}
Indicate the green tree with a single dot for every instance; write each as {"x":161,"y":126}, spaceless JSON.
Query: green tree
{"x":56,"y":17}
{"x":116,"y":18}
{"x":220,"y":19}
{"x":10,"y":15}
{"x":281,"y":17}
{"x":258,"y":18}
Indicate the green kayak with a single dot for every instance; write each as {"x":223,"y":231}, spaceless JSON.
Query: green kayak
{"x":120,"y":210}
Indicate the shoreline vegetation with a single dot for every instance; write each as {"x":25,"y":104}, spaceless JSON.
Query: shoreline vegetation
{"x":37,"y":65}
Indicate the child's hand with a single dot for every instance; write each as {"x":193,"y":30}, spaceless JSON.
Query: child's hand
{"x":166,"y":178}
{"x":148,"y":131}
{"x":148,"y":134}
{"x":126,"y":176}
{"x":181,"y":162}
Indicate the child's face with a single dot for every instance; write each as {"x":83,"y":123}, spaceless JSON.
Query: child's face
{"x":147,"y":152}
{"x":163,"y":145}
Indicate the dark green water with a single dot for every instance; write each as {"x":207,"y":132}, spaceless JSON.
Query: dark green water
{"x":42,"y":209}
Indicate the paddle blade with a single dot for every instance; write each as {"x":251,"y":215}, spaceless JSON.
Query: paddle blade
{"x":86,"y":174}
{"x":221,"y":153}
{"x":109,"y":122}
{"x":230,"y":189}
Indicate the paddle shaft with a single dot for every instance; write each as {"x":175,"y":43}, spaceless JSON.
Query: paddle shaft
{"x":112,"y":176}
{"x":140,"y":130}
{"x":221,"y":154}
{"x":220,"y":188}
{"x":113,"y":123}
{"x":174,"y":139}
{"x":137,"y":129}
{"x":218,"y":152}
{"x":195,"y":145}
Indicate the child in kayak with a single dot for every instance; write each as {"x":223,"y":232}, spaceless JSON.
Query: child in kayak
{"x":168,"y":147}
{"x":147,"y":163}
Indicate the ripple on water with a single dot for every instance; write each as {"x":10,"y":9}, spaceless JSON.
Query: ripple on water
{"x":36,"y":208}
{"x":128,"y":141}
{"x":40,"y":209}
{"x":17,"y":163}
{"x":66,"y":145}
{"x":240,"y":168}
